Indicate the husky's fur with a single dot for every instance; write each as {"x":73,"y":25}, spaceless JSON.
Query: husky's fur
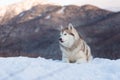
{"x":73,"y":47}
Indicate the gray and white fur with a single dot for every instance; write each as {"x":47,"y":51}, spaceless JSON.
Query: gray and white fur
{"x":73,"y":47}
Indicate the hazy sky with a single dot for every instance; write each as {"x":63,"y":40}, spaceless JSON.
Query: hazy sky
{"x":106,"y":4}
{"x":6,"y":2}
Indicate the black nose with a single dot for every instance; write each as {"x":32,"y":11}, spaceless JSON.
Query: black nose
{"x":60,"y":39}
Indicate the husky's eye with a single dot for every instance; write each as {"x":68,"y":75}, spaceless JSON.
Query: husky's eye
{"x":65,"y":34}
{"x":72,"y":34}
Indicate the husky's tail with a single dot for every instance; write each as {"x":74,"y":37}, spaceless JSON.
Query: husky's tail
{"x":88,"y":54}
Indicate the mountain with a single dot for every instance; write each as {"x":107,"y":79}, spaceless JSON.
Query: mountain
{"x":104,"y":36}
{"x":34,"y":32}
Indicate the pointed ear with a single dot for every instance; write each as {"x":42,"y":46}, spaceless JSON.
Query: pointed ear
{"x":70,"y":26}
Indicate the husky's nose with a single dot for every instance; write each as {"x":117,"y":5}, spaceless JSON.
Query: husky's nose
{"x":60,"y":39}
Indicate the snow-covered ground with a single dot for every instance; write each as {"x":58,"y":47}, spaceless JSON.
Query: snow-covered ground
{"x":23,"y":68}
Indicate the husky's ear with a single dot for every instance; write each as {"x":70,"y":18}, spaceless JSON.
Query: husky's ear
{"x":70,"y":26}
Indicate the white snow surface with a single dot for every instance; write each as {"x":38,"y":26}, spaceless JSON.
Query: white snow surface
{"x":21,"y":14}
{"x":61,"y":11}
{"x":48,"y":17}
{"x":23,"y":68}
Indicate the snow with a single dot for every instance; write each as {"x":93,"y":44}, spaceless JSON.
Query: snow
{"x":40,"y":15}
{"x":21,"y":14}
{"x":23,"y":68}
{"x":61,"y":11}
{"x":48,"y":17}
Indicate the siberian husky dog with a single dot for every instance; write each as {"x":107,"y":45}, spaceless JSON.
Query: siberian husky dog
{"x":73,"y":47}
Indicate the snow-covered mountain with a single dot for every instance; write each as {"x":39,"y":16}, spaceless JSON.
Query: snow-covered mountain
{"x":33,"y":30}
{"x":22,"y":5}
{"x":22,"y":68}
{"x":99,"y":3}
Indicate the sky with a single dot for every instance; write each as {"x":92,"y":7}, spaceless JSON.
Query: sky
{"x":7,"y":2}
{"x":105,"y":4}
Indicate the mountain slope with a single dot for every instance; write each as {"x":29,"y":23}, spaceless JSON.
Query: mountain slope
{"x":104,"y":36}
{"x":34,"y":32}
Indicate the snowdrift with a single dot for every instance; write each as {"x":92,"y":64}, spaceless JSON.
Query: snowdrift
{"x":23,"y":68}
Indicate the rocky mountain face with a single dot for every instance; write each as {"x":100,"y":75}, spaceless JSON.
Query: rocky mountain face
{"x":35,"y":32}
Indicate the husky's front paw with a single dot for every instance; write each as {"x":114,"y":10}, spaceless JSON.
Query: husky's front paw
{"x":82,"y":60}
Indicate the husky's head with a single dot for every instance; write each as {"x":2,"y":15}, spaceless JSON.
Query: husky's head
{"x":68,"y":36}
